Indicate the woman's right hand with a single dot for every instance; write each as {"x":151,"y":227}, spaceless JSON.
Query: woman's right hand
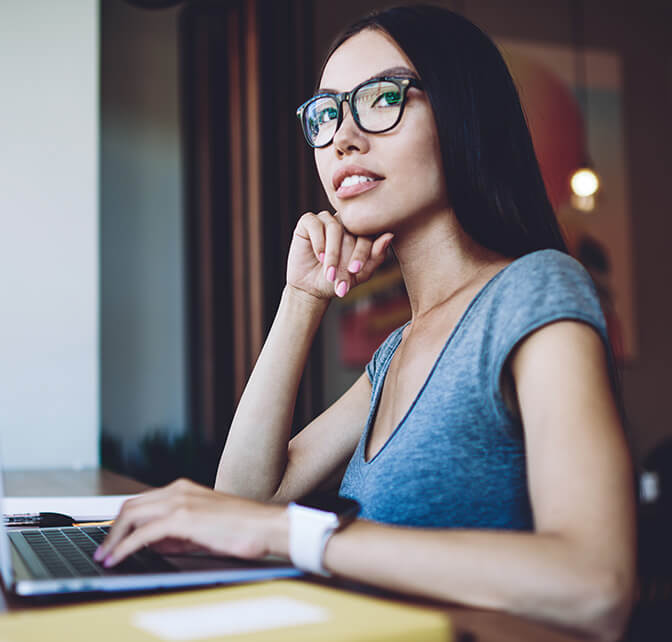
{"x":326,"y":260}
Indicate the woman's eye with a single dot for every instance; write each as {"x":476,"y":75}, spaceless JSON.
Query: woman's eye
{"x":388,"y":99}
{"x":325,"y":115}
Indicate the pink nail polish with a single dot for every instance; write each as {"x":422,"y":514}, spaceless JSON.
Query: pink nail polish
{"x":342,"y":289}
{"x":331,"y":273}
{"x":108,"y":561}
{"x":355,"y":267}
{"x":320,"y":257}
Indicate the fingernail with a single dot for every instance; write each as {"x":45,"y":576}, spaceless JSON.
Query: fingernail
{"x":320,"y":257}
{"x":355,"y":267}
{"x":331,"y":273}
{"x":108,"y":561}
{"x":98,"y":554}
{"x":342,"y":288}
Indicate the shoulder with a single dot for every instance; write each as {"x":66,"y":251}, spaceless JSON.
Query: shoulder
{"x":546,"y":282}
{"x":531,"y":293}
{"x":546,"y":267}
{"x":535,"y":290}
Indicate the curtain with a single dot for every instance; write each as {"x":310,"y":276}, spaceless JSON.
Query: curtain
{"x":245,"y":67}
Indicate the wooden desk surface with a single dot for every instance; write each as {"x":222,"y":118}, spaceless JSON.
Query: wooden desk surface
{"x":65,"y":483}
{"x":472,"y":625}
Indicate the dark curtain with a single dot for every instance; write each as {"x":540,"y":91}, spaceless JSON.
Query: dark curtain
{"x":245,"y":67}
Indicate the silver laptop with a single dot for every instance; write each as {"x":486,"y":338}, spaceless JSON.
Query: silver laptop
{"x":44,"y":561}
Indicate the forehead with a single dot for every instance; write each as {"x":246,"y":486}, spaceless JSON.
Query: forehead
{"x":362,"y":56}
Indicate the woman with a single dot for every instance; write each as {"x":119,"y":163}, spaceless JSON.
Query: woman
{"x":483,"y":441}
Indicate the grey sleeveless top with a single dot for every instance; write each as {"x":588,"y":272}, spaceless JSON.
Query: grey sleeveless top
{"x":457,"y":458}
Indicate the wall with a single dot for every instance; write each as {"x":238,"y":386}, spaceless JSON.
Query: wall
{"x":640,"y":33}
{"x":143,"y":361}
{"x":49,"y":405}
{"x":142,"y":288}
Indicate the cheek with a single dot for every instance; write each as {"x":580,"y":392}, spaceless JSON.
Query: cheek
{"x":433,"y":164}
{"x":424,"y":168}
{"x":421,"y":146}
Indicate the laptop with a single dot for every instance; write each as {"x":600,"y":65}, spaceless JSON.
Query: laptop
{"x":47,"y":561}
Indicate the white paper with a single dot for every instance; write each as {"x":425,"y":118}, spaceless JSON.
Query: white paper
{"x":228,"y":618}
{"x":95,"y":508}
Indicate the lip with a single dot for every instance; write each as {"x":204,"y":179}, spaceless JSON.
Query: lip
{"x":354,"y":190}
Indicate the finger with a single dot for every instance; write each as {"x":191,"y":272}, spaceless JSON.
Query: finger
{"x":376,"y":257}
{"x":138,"y":510}
{"x":150,"y":533}
{"x":360,"y":254}
{"x":309,"y":224}
{"x":123,"y":525}
{"x":120,"y":526}
{"x":332,"y":254}
{"x":344,"y":278}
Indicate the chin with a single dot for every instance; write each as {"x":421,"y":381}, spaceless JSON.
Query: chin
{"x":364,"y":219}
{"x":361,"y":225}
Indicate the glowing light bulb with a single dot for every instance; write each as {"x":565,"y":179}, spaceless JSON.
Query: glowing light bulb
{"x":584,"y":182}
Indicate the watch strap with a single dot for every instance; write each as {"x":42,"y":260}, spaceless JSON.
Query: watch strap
{"x":309,"y":532}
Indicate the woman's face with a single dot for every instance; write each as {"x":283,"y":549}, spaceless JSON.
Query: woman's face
{"x":405,"y":161}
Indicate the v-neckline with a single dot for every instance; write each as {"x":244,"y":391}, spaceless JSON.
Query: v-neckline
{"x":386,"y":367}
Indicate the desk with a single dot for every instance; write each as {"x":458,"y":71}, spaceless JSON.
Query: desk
{"x":471,"y":624}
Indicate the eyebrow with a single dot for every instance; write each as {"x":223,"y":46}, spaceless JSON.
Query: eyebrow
{"x":404,"y":72}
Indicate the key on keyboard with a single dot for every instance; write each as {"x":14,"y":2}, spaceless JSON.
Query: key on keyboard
{"x":68,"y":552}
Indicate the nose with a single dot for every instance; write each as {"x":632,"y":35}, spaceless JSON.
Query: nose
{"x":349,"y":137}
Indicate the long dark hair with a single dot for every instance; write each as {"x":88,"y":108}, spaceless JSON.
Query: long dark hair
{"x":492,"y":175}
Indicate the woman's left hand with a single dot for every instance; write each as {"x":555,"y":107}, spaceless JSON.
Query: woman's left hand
{"x":185,"y":516}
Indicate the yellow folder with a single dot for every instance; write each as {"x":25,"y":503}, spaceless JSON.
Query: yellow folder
{"x":281,"y":611}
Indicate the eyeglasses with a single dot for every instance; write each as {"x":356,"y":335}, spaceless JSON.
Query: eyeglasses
{"x":376,"y":106}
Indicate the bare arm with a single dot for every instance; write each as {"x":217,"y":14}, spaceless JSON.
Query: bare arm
{"x":577,"y":568}
{"x":255,"y":456}
{"x":257,"y":462}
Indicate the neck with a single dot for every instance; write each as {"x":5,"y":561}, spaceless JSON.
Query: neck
{"x":438,"y":260}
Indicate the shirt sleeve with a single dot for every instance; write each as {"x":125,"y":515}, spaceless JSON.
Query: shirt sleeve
{"x":542,"y":288}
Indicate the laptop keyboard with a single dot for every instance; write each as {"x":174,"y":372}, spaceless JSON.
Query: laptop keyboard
{"x":68,"y":552}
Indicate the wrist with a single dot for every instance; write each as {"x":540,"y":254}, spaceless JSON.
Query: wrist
{"x":312,"y":523}
{"x":298,"y":297}
{"x":277,"y":531}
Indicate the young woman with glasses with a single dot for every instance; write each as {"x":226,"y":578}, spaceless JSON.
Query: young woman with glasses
{"x":483,"y":441}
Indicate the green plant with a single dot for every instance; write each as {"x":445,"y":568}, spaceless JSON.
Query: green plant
{"x":162,"y":457}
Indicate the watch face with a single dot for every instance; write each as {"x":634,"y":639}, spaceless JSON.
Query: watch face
{"x":332,"y":503}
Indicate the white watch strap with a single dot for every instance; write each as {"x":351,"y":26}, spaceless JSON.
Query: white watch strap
{"x":309,"y":532}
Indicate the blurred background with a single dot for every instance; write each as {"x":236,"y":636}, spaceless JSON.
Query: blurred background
{"x":153,"y":171}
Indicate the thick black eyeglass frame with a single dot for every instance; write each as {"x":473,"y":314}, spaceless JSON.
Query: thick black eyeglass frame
{"x":402,"y":82}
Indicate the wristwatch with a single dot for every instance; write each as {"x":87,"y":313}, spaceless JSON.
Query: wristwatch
{"x":312,"y":521}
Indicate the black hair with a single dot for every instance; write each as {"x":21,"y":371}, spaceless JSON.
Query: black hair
{"x":493,"y":179}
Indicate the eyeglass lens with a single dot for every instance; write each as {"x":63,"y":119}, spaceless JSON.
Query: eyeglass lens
{"x":376,"y":106}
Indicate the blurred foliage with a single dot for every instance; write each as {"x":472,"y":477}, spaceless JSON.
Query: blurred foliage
{"x":161,"y":458}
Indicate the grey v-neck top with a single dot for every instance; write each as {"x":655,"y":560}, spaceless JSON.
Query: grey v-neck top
{"x":457,"y":458}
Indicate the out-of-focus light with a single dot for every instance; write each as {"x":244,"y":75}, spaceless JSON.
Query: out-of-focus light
{"x":582,"y":203}
{"x":584,"y":182}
